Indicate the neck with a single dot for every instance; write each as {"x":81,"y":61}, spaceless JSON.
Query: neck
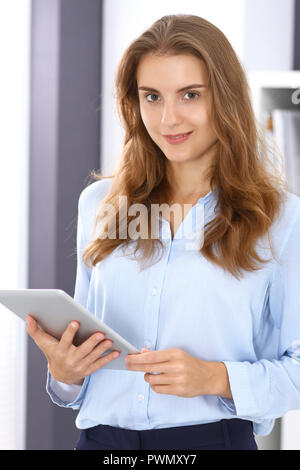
{"x":183,"y":188}
{"x":191,"y":179}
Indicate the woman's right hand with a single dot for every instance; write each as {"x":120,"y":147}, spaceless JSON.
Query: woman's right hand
{"x":68,"y":363}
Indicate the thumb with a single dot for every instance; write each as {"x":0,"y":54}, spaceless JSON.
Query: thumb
{"x":41,"y":338}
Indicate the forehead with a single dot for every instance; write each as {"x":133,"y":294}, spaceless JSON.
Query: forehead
{"x":167,"y":71}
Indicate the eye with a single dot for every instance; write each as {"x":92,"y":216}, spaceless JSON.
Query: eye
{"x":194,"y":97}
{"x":192,"y":93}
{"x":150,"y":94}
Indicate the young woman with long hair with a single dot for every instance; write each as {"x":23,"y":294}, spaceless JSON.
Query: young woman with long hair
{"x":216,"y":315}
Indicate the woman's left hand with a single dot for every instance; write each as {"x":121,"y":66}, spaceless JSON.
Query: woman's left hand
{"x":180,"y":373}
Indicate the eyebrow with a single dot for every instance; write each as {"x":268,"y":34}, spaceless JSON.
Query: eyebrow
{"x":194,"y":85}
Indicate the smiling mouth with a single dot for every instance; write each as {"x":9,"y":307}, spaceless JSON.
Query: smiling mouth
{"x":179,"y":139}
{"x":177,"y":136}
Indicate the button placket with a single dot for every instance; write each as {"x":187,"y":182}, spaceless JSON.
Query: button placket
{"x":151,"y":318}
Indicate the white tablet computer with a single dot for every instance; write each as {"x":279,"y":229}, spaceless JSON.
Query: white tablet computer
{"x":54,"y":309}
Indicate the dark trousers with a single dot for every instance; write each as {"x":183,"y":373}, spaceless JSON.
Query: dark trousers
{"x":227,"y":434}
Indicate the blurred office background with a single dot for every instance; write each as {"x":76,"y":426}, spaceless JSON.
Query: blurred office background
{"x":58,"y":122}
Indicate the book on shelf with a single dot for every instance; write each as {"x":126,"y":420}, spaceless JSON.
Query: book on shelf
{"x":286,"y":133}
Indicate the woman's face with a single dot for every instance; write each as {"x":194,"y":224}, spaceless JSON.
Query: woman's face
{"x":167,"y":111}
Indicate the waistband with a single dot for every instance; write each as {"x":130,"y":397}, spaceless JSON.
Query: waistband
{"x":224,"y":431}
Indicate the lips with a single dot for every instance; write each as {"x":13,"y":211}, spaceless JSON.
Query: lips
{"x":178,"y":139}
{"x":177,"y":136}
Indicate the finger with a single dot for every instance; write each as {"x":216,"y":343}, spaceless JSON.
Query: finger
{"x":67,"y":338}
{"x":161,"y":367}
{"x":101,"y":362}
{"x":88,"y":345}
{"x":96,"y":352}
{"x":150,"y":357}
{"x":41,"y":338}
{"x":165,"y":389}
{"x":160,"y":379}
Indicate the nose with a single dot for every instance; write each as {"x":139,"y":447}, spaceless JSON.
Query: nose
{"x":171,"y":116}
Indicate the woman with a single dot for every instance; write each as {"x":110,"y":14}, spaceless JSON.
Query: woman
{"x":218,"y":321}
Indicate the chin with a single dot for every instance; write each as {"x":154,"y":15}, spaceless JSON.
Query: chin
{"x":179,"y":159}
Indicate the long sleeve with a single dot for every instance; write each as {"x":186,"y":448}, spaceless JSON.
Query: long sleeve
{"x":70,"y":396}
{"x":83,"y":274}
{"x":269,"y":387}
{"x":251,"y":324}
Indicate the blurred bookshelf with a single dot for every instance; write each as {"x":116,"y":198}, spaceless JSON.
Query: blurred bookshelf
{"x":276,"y":103}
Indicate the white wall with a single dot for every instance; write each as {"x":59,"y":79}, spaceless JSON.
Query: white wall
{"x":124,"y":21}
{"x":14,"y":125}
{"x":290,"y":435}
{"x":269,"y":33}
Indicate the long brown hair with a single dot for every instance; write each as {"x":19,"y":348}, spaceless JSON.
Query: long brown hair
{"x":250,"y":185}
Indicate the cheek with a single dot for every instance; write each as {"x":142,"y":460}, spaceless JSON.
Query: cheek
{"x":201,"y":120}
{"x":151,"y":122}
{"x":197,"y":116}
{"x":147,"y":118}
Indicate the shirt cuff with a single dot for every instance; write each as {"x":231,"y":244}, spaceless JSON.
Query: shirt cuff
{"x":69,"y":396}
{"x":67,"y":393}
{"x":229,"y":404}
{"x":243,"y":402}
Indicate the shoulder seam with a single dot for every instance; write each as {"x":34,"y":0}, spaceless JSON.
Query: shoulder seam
{"x":85,"y":194}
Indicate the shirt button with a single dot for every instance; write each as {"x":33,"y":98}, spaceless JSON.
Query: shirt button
{"x":141,"y":397}
{"x":147,"y":344}
{"x":154,"y":291}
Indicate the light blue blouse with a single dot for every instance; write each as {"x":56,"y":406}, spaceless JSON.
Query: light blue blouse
{"x":185,"y":301}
